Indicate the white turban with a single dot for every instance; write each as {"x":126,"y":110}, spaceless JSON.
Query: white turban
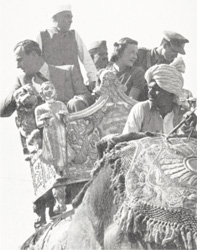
{"x":56,"y":8}
{"x":167,"y":77}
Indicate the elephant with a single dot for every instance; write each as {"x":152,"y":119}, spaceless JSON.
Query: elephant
{"x":142,"y":195}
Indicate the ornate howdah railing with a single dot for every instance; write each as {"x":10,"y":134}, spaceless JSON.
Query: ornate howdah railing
{"x":84,"y":129}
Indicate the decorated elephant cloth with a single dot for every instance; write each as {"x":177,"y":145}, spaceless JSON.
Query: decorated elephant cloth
{"x":157,"y":183}
{"x":143,"y":195}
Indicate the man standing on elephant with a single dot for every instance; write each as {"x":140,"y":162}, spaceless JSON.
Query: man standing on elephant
{"x":62,"y":46}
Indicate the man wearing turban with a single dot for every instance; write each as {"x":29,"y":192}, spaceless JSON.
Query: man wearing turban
{"x":160,"y":113}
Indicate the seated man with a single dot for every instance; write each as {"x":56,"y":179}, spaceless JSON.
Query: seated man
{"x":69,"y":86}
{"x":160,"y":113}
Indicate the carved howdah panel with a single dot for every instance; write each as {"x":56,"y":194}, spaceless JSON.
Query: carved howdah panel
{"x":84,"y":129}
{"x":43,"y":174}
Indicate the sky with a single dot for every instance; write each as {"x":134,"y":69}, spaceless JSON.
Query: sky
{"x":110,"y":20}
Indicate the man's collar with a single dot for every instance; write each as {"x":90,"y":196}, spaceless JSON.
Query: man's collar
{"x":44,"y":70}
{"x":157,"y":58}
{"x":117,"y":68}
{"x":153,"y":106}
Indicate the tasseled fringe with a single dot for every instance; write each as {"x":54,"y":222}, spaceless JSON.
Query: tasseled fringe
{"x":153,"y":230}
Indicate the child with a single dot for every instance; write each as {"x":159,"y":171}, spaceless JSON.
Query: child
{"x":55,"y":149}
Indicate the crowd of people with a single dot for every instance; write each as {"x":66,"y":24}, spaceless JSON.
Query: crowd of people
{"x":150,"y":76}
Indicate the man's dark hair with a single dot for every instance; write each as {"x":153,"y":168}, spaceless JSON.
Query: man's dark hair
{"x":120,"y":46}
{"x":29,"y":46}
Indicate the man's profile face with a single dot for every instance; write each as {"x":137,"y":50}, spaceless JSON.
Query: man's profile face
{"x":63,"y":20}
{"x":169,"y":53}
{"x":157,"y":95}
{"x":25,"y":61}
{"x":101,"y":59}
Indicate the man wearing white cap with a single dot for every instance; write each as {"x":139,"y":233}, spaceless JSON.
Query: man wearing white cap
{"x":161,"y":113}
{"x":62,"y":46}
{"x":171,"y":45}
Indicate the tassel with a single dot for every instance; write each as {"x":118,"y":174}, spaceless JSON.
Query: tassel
{"x":145,"y":220}
{"x":156,"y":233}
{"x":150,"y":230}
{"x":167,"y":233}
{"x":146,"y":237}
{"x":161,"y":230}
{"x":172,"y":235}
{"x":178,"y":233}
{"x":195,"y":240}
{"x":189,"y":240}
{"x":183,"y":237}
{"x":136,"y":227}
{"x":144,"y":224}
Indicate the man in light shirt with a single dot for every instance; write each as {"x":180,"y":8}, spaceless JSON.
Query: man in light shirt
{"x":160,"y":113}
{"x":62,"y":46}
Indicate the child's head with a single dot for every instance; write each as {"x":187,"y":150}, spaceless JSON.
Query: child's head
{"x":48,"y":91}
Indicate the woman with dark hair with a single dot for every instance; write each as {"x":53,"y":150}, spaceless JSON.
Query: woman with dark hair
{"x":121,"y":63}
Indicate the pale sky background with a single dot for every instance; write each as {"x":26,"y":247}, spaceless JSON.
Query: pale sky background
{"x":142,"y":20}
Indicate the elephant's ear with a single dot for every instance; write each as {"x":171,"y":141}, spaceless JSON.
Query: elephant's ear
{"x":79,"y":198}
